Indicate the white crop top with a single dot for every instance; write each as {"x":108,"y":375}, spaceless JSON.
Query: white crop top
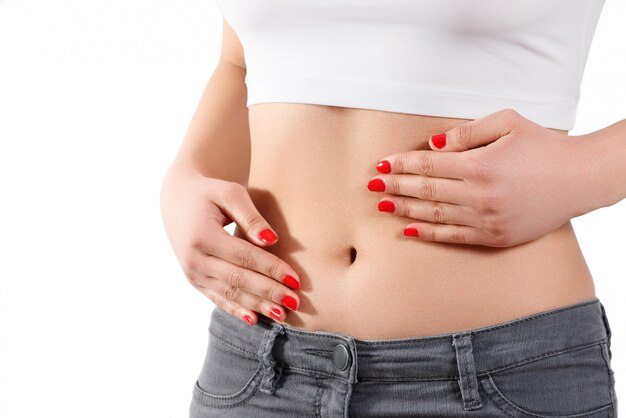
{"x":452,"y":58}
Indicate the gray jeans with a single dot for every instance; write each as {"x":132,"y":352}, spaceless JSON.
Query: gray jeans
{"x":554,"y":363}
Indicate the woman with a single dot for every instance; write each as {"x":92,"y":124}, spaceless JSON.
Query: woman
{"x":402,"y":183}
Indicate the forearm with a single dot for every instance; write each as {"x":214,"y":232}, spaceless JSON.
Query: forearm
{"x":217,"y":141}
{"x":602,"y":165}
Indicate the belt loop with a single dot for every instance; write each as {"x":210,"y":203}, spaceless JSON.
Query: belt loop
{"x":605,"y":320}
{"x":468,"y":381}
{"x":270,"y":373}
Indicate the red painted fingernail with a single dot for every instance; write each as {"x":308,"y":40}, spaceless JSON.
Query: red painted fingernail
{"x":268,"y":236}
{"x":376,"y":185}
{"x":248,"y":319}
{"x":439,"y":140}
{"x":411,"y":232}
{"x":386,"y":206}
{"x":289,"y":302}
{"x":291,"y":282}
{"x":275,"y":313}
{"x":384,"y":167}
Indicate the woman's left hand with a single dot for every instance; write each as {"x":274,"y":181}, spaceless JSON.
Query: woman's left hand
{"x":513,"y":182}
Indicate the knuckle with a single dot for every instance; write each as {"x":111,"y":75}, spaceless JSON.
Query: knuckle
{"x":246,"y":258}
{"x":401,"y":163}
{"x":188,"y":262}
{"x":236,"y":279}
{"x":439,"y":213}
{"x":425,"y":164}
{"x":259,"y":305}
{"x":490,"y":202}
{"x":274,"y":270}
{"x":458,"y":237}
{"x":196,"y":241}
{"x":251,"y":220}
{"x":493,"y":225}
{"x":500,"y":240}
{"x":495,"y":228}
{"x":404,"y":206}
{"x":464,"y":134}
{"x":426,"y":190}
{"x":395,"y":184}
{"x":270,"y":292}
{"x":231,"y":293}
{"x":510,"y":113}
{"x":232,"y":190}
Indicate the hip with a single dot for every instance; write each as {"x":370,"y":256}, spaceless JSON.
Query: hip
{"x":551,"y":363}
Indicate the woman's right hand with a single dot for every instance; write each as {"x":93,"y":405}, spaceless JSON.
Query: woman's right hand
{"x":235,"y":274}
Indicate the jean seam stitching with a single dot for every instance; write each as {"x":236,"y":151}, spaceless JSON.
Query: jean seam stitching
{"x":234,"y":347}
{"x":535,"y":358}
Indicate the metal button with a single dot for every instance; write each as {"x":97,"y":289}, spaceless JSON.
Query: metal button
{"x":341,"y":356}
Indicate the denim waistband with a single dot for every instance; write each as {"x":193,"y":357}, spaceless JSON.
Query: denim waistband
{"x":432,"y":357}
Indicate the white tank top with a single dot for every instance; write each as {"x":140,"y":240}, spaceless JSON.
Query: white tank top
{"x":452,"y":58}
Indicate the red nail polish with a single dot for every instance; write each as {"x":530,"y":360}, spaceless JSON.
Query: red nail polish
{"x":439,"y":140}
{"x":411,"y":232}
{"x":384,"y":167}
{"x":267,"y":236}
{"x":289,"y":302}
{"x":275,"y":313}
{"x":291,"y":282}
{"x":248,"y":319}
{"x":386,"y":206}
{"x":376,"y":185}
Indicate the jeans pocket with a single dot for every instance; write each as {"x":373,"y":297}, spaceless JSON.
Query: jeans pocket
{"x":571,"y":383}
{"x":229,"y":377}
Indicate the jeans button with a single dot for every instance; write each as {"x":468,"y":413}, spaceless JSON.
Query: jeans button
{"x":341,"y":357}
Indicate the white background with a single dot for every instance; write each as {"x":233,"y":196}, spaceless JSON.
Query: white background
{"x":96,"y":316}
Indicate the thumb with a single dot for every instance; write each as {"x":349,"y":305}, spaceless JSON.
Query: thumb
{"x":239,"y":206}
{"x":477,"y":132}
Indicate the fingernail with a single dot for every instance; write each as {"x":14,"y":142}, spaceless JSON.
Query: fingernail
{"x":291,"y":282}
{"x":376,"y":185}
{"x":386,"y":206}
{"x":267,"y":236}
{"x":289,"y":302}
{"x":275,"y":313}
{"x":439,"y":140}
{"x":411,"y":232}
{"x":384,"y":167}
{"x":248,"y":319}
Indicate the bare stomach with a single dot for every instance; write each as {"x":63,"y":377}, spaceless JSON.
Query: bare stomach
{"x":359,"y":274}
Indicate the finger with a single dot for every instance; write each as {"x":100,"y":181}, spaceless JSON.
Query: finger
{"x":242,"y":299}
{"x":426,"y":188}
{"x":240,"y":252}
{"x":207,"y":287}
{"x":436,"y":212}
{"x":235,"y":201}
{"x":237,"y":277}
{"x":426,"y":163}
{"x":456,"y":234}
{"x":477,"y":132}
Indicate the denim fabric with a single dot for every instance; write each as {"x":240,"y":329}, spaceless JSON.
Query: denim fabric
{"x":555,"y":363}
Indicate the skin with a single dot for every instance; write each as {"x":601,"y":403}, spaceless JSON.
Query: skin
{"x":499,"y":246}
{"x":309,"y":174}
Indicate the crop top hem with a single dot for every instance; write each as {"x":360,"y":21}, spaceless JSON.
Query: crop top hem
{"x":557,"y":113}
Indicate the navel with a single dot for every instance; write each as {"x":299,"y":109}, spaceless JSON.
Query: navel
{"x":352,"y":255}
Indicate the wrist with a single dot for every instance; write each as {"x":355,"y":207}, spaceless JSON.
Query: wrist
{"x":595,"y":171}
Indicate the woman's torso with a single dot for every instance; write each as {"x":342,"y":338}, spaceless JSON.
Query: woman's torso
{"x":309,"y":170}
